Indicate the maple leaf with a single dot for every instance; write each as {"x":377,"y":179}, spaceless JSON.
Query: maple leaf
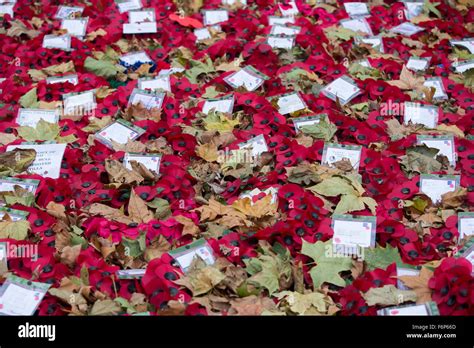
{"x":257,"y":210}
{"x":388,"y":295}
{"x":119,"y":174}
{"x":207,"y":152}
{"x":408,"y":80}
{"x":379,"y":257}
{"x":324,"y":129}
{"x":304,"y":304}
{"x":137,"y":209}
{"x":270,"y":270}
{"x":201,"y":278}
{"x":109,"y":213}
{"x":454,"y":199}
{"x":420,"y":159}
{"x":327,"y":268}
{"x":419,"y":284}
{"x":16,"y":161}
{"x":251,"y":305}
{"x":14,"y":229}
{"x":43,"y":131}
{"x":218,"y":121}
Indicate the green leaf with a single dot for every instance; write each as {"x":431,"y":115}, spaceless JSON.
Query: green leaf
{"x":30,"y":99}
{"x":349,"y":203}
{"x":324,"y":129}
{"x":429,"y":7}
{"x":328,"y":265}
{"x":44,"y":131}
{"x":14,"y":229}
{"x":134,"y":247}
{"x":211,"y":92}
{"x":388,"y":295}
{"x":362,"y":72}
{"x":162,"y":207}
{"x":381,"y":257}
{"x":102,"y":68}
{"x":338,"y":32}
{"x":334,"y":186}
{"x":268,"y":270}
{"x":125,"y":304}
{"x":220,"y":122}
{"x":469,"y":78}
{"x":198,"y":68}
{"x":303,"y":303}
{"x":420,"y":159}
{"x":105,"y":307}
{"x":85,"y":275}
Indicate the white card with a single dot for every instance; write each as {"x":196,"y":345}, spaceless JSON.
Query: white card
{"x":410,"y":272}
{"x":375,"y":41}
{"x":245,"y":77}
{"x":336,"y":152}
{"x":353,"y":233}
{"x":342,"y":89}
{"x":75,"y":27}
{"x":202,"y":34}
{"x":289,"y":9}
{"x":168,"y":72}
{"x":136,"y":57}
{"x":465,"y":224}
{"x":62,"y":42}
{"x":18,"y":300}
{"x":128,"y":5}
{"x":467,"y":43}
{"x":148,"y":100}
{"x":286,"y":42}
{"x":417,"y":64}
{"x":470,"y":257}
{"x":15,"y":215}
{"x":273,"y":20}
{"x":413,"y":9}
{"x":444,"y":144}
{"x":364,"y":63}
{"x":426,"y":115}
{"x":48,"y":158}
{"x":7,"y":9}
{"x":284,"y":30}
{"x":408,"y":310}
{"x":31,"y":117}
{"x":221,"y":105}
{"x":463,"y":66}
{"x":159,"y":83}
{"x":357,"y":24}
{"x":61,"y":79}
{"x":231,"y":2}
{"x":290,"y":103}
{"x":8,"y":184}
{"x":147,"y":15}
{"x":304,"y":121}
{"x":186,"y":254}
{"x":438,"y":85}
{"x":435,"y":187}
{"x":258,"y":145}
{"x":67,"y":11}
{"x":355,"y":9}
{"x":151,"y":162}
{"x":139,"y":28}
{"x":212,"y":17}
{"x":407,"y":29}
{"x":117,"y":132}
{"x":79,"y":104}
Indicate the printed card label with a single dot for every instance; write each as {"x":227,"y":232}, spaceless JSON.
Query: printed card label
{"x":7,"y":9}
{"x":135,"y":57}
{"x":305,"y":121}
{"x":288,"y":9}
{"x":290,"y":103}
{"x":48,"y":158}
{"x":224,"y":104}
{"x":285,"y":43}
{"x":273,"y":20}
{"x":31,"y":117}
{"x":337,"y":152}
{"x":413,"y":9}
{"x":139,"y":16}
{"x":445,"y":145}
{"x":418,"y":64}
{"x":140,"y":28}
{"x":407,"y":29}
{"x":202,"y":34}
{"x":438,"y":85}
{"x":80,"y":103}
{"x":434,"y":186}
{"x":343,"y":88}
{"x":20,"y":296}
{"x":75,"y":27}
{"x":257,"y":144}
{"x":62,"y":42}
{"x":247,"y":77}
{"x":465,"y":224}
{"x":67,"y":78}
{"x":128,"y":5}
{"x":357,"y":24}
{"x":159,"y":83}
{"x":462,"y":67}
{"x":8,"y":184}
{"x":147,"y":99}
{"x":120,"y":132}
{"x":355,"y":9}
{"x":65,"y":12}
{"x":186,"y":254}
{"x":426,"y":115}
{"x":256,"y":192}
{"x":150,"y":161}
{"x":284,"y":30}
{"x":467,"y":43}
{"x":212,"y":17}
{"x":354,"y":231}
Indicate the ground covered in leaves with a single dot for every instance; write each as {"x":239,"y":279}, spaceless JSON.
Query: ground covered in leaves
{"x":271,"y":254}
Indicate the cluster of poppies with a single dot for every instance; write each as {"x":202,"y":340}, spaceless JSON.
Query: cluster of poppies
{"x":303,"y":216}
